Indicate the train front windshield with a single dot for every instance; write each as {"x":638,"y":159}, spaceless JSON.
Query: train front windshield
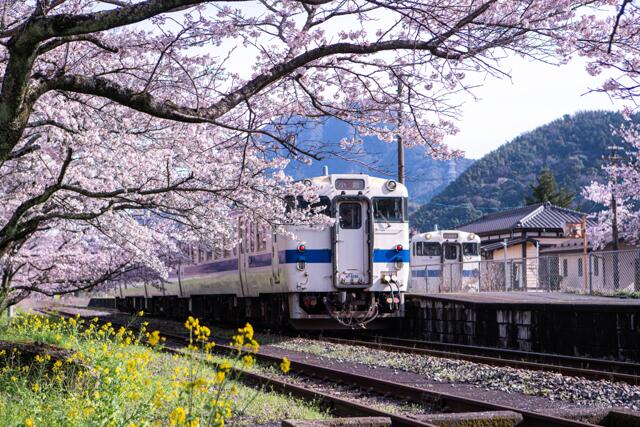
{"x":470,"y":249}
{"x":389,"y":209}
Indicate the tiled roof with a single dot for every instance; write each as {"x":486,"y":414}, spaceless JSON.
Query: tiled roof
{"x":542,"y":215}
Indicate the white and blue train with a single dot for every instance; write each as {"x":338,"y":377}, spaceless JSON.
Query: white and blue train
{"x":351,"y":274}
{"x":444,"y":261}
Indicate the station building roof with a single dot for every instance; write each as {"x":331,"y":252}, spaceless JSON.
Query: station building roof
{"x":540,"y":216}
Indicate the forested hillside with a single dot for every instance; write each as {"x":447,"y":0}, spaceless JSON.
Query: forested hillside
{"x":571,"y":147}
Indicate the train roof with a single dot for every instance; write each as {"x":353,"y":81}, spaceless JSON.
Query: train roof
{"x":373,"y":186}
{"x":440,"y":235}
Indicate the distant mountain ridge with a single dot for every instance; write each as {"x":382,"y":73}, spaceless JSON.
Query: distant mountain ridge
{"x":571,"y":147}
{"x":425,"y":177}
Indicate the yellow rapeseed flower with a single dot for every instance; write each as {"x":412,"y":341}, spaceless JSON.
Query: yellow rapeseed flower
{"x":153,"y":338}
{"x":28,"y":422}
{"x":285,"y":366}
{"x":140,"y":313}
{"x":178,"y":416}
{"x":248,"y":361}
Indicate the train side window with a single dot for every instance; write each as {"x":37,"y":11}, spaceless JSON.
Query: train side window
{"x":470,"y":249}
{"x":432,"y":249}
{"x":450,"y":251}
{"x":350,"y":216}
{"x":418,"y":249}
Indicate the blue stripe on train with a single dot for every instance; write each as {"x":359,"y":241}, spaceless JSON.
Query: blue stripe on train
{"x":390,"y":255}
{"x":425,"y":273}
{"x":313,"y":256}
{"x":262,"y":260}
{"x":436,"y":273}
{"x":316,"y":256}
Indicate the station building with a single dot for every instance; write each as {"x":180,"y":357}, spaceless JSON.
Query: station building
{"x":536,"y":242}
{"x":523,"y":232}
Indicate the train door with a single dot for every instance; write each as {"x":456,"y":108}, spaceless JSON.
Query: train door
{"x":351,"y":246}
{"x":451,"y":267}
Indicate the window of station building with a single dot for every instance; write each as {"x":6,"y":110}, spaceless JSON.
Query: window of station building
{"x":579,"y":267}
{"x":450,"y":252}
{"x":470,"y":249}
{"x":350,"y":216}
{"x":389,"y":209}
{"x":565,"y":268}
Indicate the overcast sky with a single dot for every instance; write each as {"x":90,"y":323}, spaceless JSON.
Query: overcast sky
{"x":536,"y":94}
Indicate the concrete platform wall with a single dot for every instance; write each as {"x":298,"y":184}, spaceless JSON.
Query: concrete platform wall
{"x":602,"y":331}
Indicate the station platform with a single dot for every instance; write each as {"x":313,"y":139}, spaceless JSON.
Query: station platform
{"x":537,"y":298}
{"x":547,"y":322}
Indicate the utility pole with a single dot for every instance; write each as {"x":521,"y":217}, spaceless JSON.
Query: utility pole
{"x":614,"y":159}
{"x":399,"y":138}
{"x":585,"y":266}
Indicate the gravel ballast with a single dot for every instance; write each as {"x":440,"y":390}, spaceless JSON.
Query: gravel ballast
{"x":551,"y":385}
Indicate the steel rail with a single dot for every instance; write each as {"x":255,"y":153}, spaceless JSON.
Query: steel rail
{"x":565,"y":365}
{"x":451,"y":403}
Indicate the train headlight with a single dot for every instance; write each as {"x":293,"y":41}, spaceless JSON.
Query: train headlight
{"x":427,"y":236}
{"x":471,"y":236}
{"x":307,"y":182}
{"x":391,"y":185}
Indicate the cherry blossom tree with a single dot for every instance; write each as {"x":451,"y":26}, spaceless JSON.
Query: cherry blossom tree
{"x":127,"y":126}
{"x":611,"y":43}
{"x":623,"y":184}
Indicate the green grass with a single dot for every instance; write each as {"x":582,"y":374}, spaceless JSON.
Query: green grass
{"x":115,"y":378}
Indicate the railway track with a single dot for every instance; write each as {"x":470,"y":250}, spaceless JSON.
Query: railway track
{"x":594,"y":369}
{"x":444,"y":401}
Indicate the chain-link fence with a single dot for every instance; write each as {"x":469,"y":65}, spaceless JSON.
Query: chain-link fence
{"x":606,"y":273}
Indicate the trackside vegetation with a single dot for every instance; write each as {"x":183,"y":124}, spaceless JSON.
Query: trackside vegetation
{"x":60,"y":372}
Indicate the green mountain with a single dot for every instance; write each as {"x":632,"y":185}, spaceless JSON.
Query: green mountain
{"x":571,"y":148}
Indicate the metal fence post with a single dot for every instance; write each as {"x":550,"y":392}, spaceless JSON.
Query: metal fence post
{"x":590,"y":274}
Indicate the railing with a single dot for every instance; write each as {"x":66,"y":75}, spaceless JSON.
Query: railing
{"x":606,"y":273}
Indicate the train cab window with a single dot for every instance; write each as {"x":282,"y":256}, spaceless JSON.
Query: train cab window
{"x":470,"y":249}
{"x":388,"y":209}
{"x":428,"y":249}
{"x":431,"y":249}
{"x":350,"y":216}
{"x":450,"y":251}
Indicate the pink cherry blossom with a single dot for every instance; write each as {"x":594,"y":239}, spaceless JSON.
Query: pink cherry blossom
{"x":128,"y":127}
